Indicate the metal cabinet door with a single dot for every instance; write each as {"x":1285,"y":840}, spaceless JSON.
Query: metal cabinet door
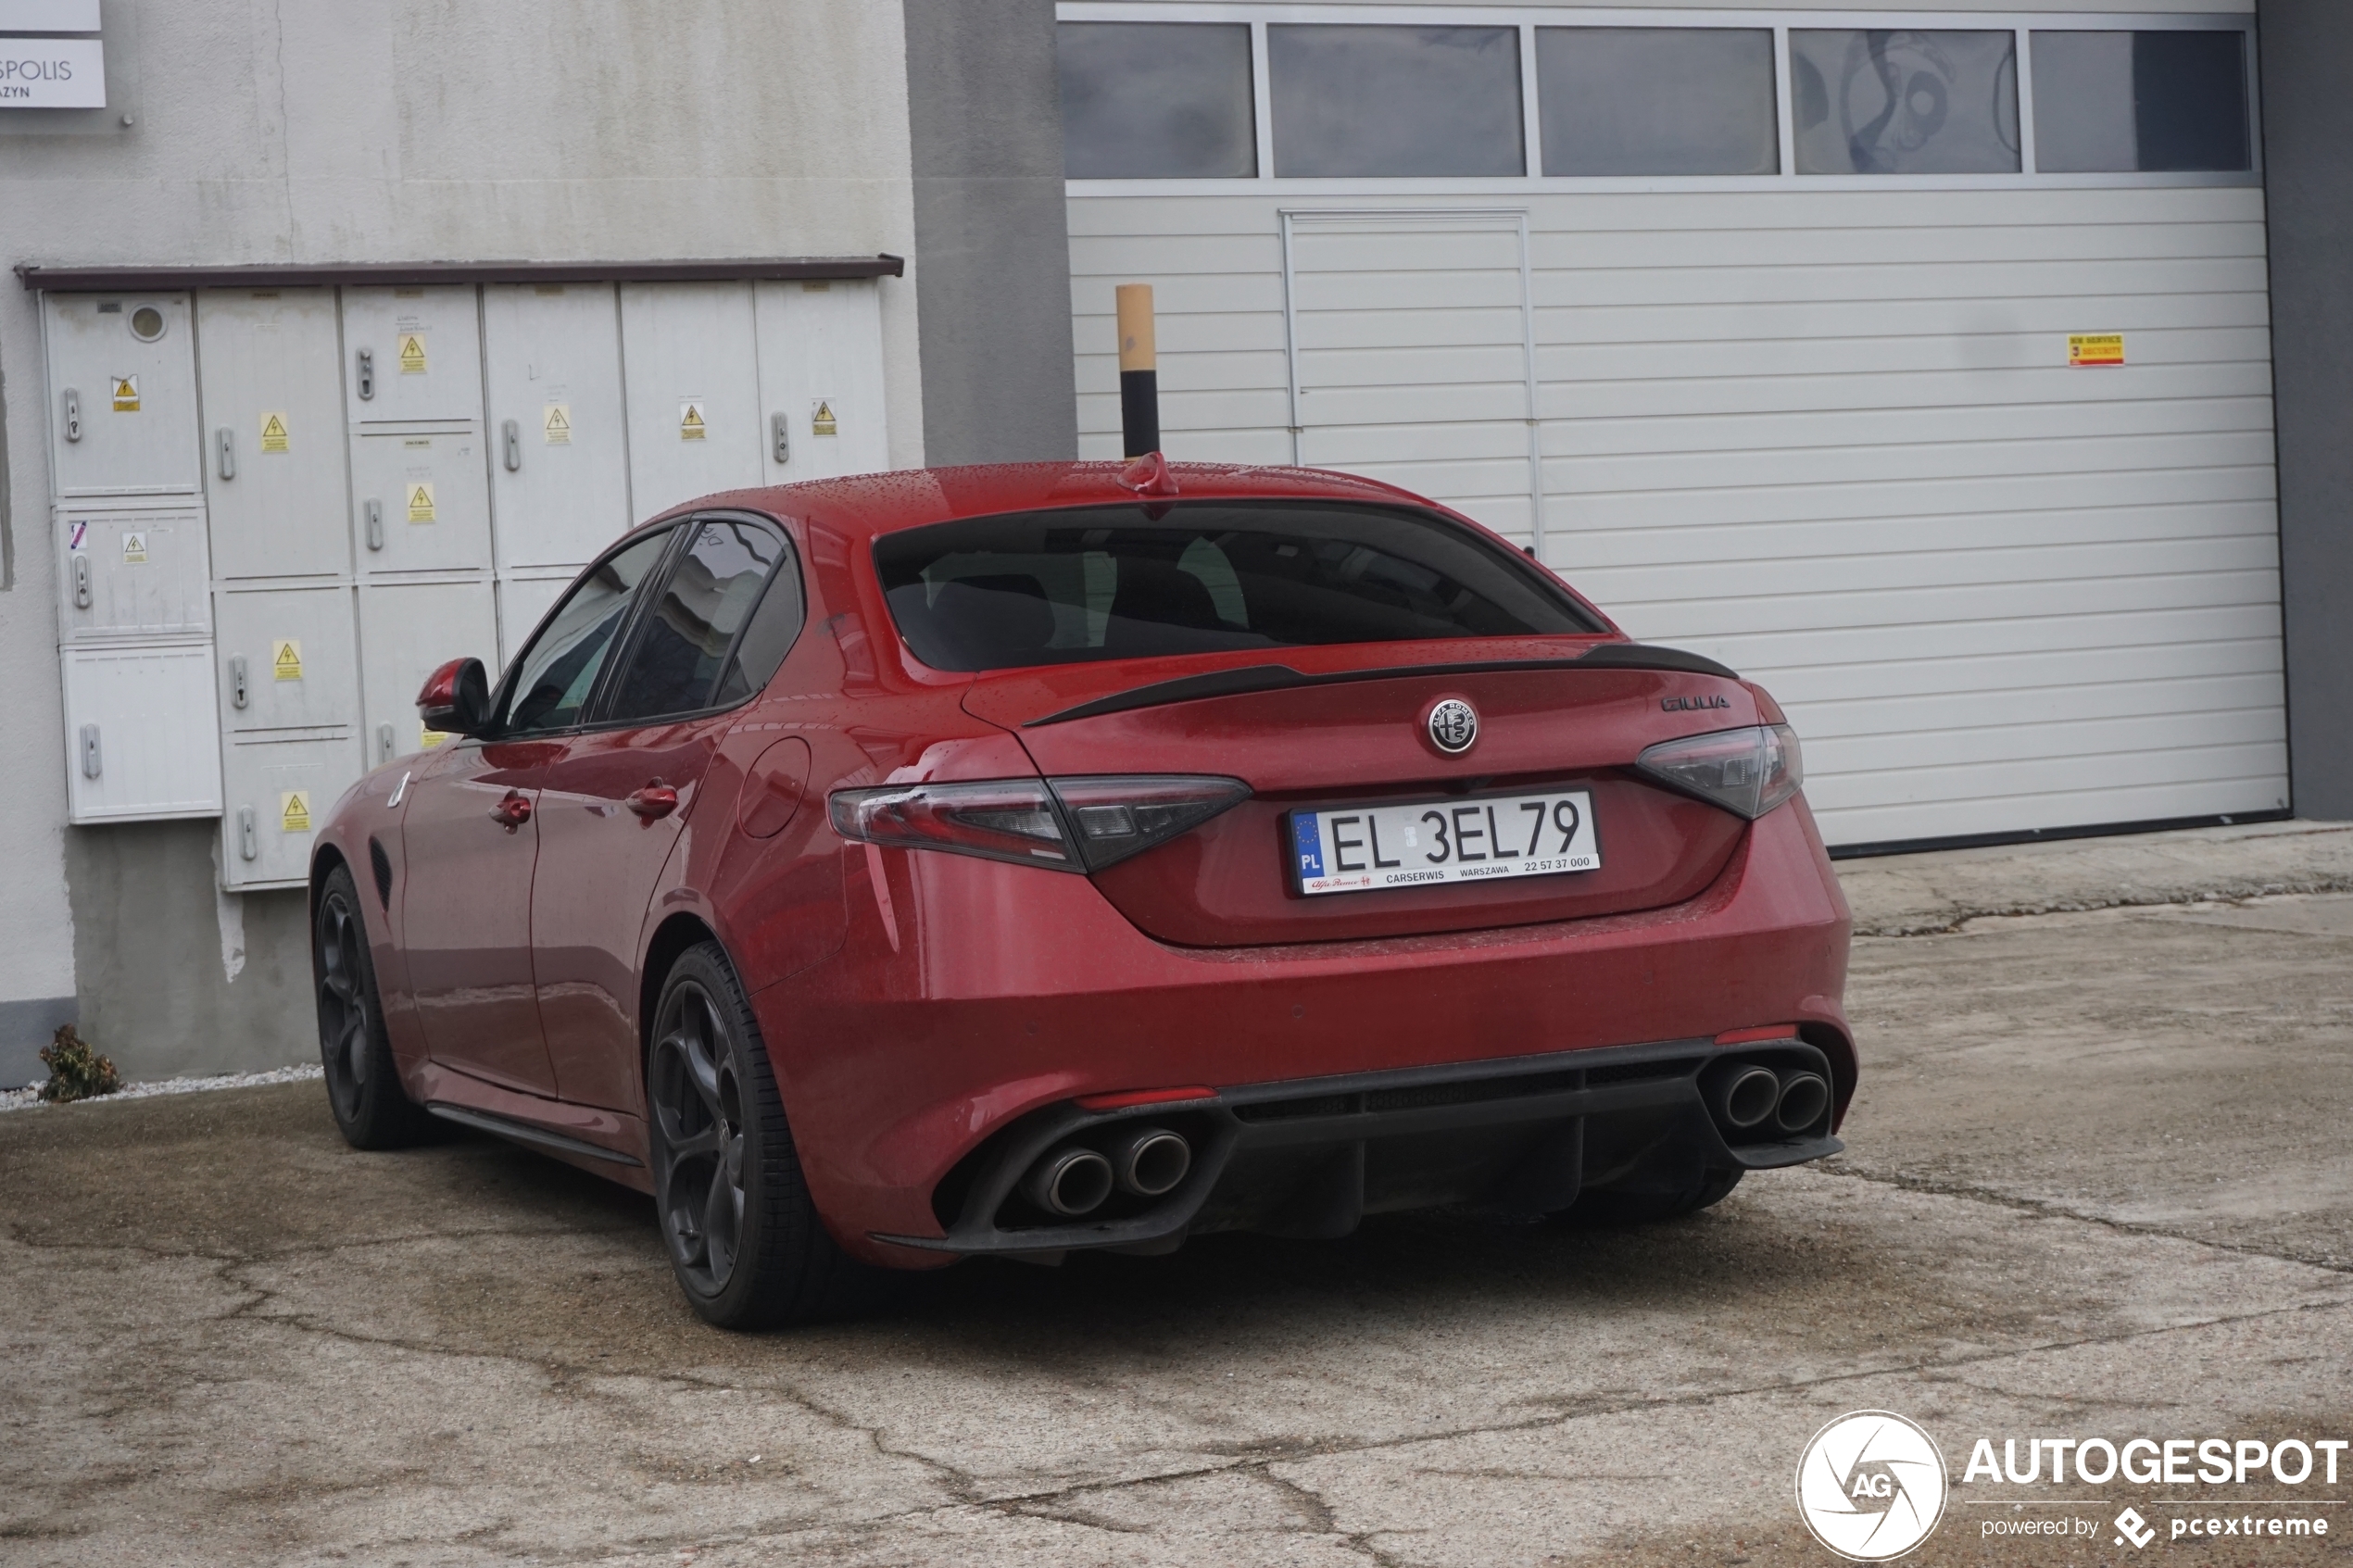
{"x":122,"y":395}
{"x":273,"y":434}
{"x":407,"y":631}
{"x":420,"y":500}
{"x":286,"y":658}
{"x":132,"y":573}
{"x":275,"y":793}
{"x":411,"y":353}
{"x":560,"y":481}
{"x":821,"y":375}
{"x":142,"y":738}
{"x":693,"y":381}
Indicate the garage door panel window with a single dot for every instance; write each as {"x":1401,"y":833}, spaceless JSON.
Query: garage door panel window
{"x":1395,"y":101}
{"x":1904,"y":101}
{"x":685,"y":644}
{"x":1156,"y":100}
{"x":2146,"y":103}
{"x":1657,"y":100}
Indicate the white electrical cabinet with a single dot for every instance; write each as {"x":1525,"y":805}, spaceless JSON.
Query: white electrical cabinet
{"x":820,"y":378}
{"x":127,"y":570}
{"x":275,"y":793}
{"x":273,"y":431}
{"x":411,"y":353}
{"x":277,"y":509}
{"x":141,"y":735}
{"x":122,"y":389}
{"x":692,"y":382}
{"x":420,"y":501}
{"x":407,"y":631}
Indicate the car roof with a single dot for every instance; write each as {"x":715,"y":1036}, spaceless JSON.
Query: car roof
{"x":873,"y":504}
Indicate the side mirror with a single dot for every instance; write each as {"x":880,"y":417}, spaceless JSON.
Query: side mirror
{"x":456,"y":698}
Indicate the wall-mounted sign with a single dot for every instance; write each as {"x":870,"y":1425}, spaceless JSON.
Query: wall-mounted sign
{"x":52,"y":73}
{"x":2095,"y":348}
{"x":48,"y":16}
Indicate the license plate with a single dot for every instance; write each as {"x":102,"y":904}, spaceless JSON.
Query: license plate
{"x":1428,"y":843}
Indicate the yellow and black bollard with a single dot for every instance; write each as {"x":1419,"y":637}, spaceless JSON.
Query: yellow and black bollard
{"x":1139,"y":371}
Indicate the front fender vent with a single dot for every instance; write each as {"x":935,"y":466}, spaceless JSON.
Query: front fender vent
{"x":380,"y":864}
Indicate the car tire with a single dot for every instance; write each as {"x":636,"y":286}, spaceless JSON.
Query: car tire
{"x":744,"y":1240}
{"x":363,"y":1083}
{"x":1612,"y":1208}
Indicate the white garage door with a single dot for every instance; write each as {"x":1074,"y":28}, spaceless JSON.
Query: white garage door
{"x":1823,"y":428}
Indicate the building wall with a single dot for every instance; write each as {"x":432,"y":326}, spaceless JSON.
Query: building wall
{"x":987,"y":144}
{"x":1823,"y":430}
{"x":2307,"y":124}
{"x":412,"y":130}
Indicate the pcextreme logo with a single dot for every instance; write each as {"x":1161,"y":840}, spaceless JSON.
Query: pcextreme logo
{"x":1871,"y":1485}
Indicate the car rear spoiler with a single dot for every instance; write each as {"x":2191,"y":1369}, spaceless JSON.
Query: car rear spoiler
{"x":1282,"y":677}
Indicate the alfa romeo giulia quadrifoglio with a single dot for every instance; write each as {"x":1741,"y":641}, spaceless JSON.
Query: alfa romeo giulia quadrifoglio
{"x":1016,"y":861}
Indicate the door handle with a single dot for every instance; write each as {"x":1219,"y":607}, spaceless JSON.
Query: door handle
{"x":375,"y":515}
{"x":655,"y":801}
{"x":512,"y":812}
{"x":81,"y":580}
{"x":73,"y":415}
{"x":93,"y":764}
{"x":228,"y":452}
{"x":513,"y":436}
{"x":367,"y":368}
{"x":237,"y":681}
{"x":780,"y":436}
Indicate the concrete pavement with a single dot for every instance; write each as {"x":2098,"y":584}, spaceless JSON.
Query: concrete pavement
{"x":2098,"y":1185}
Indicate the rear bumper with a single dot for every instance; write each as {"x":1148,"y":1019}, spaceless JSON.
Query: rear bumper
{"x":972,"y":995}
{"x":1310,"y":1159}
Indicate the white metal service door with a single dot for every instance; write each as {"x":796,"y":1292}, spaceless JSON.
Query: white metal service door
{"x":692,"y":377}
{"x":123,"y":381}
{"x":407,"y":631}
{"x":273,"y":434}
{"x":411,"y":353}
{"x":821,"y":379}
{"x":559,"y":448}
{"x":1410,"y":355}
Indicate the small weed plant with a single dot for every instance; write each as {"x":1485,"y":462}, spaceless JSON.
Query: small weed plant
{"x":75,"y":1071}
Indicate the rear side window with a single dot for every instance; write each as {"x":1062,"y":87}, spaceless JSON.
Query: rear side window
{"x":688,"y":655}
{"x":1096,"y":583}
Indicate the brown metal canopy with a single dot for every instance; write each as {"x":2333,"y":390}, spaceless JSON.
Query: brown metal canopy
{"x":137,"y":280}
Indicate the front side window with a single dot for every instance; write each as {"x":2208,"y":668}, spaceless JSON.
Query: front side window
{"x":1156,"y":100}
{"x":1395,"y":100}
{"x":2141,"y":102}
{"x":691,"y":631}
{"x":1902,"y":100}
{"x":558,"y":671}
{"x":1097,"y":583}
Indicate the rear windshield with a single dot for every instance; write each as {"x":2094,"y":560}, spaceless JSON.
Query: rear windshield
{"x":1092,"y":582}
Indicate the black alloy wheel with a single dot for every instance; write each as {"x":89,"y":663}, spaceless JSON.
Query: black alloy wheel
{"x":745,"y":1241}
{"x":363,"y":1083}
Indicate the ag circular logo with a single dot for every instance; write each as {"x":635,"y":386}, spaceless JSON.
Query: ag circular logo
{"x":1871,"y":1485}
{"x":1453,"y":724}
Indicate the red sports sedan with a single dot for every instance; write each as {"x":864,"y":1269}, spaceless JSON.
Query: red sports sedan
{"x":1010,"y":861}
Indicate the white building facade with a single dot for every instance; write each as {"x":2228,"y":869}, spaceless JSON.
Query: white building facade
{"x":1914,"y":360}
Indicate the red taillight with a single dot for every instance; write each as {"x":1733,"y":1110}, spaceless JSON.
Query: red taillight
{"x":1072,"y":824}
{"x":1749,"y":771}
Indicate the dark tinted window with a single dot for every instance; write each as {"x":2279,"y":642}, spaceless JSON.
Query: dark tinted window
{"x":690,"y":632}
{"x":556,"y":673}
{"x":2141,"y":101}
{"x":1657,"y":100}
{"x":1156,"y":100}
{"x":1061,"y":587}
{"x":1395,"y":100}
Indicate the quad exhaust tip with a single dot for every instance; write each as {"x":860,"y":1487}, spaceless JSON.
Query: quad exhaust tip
{"x":1803,"y":1099}
{"x":1075,"y":1180}
{"x":1151,"y":1162}
{"x":1746,"y":1098}
{"x":1070,"y":1182}
{"x":1750,"y":1098}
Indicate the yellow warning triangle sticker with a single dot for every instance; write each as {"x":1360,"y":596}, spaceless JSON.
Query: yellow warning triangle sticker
{"x":294,"y":811}
{"x":693,"y":416}
{"x":273,"y":429}
{"x":822,"y":422}
{"x":412,"y":353}
{"x":289,"y":657}
{"x":556,"y":419}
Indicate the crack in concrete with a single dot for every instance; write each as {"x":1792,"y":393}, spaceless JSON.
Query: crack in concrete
{"x":2047,"y":1209}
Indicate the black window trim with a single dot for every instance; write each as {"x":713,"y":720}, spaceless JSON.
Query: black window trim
{"x":632,"y":632}
{"x":502,"y":693}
